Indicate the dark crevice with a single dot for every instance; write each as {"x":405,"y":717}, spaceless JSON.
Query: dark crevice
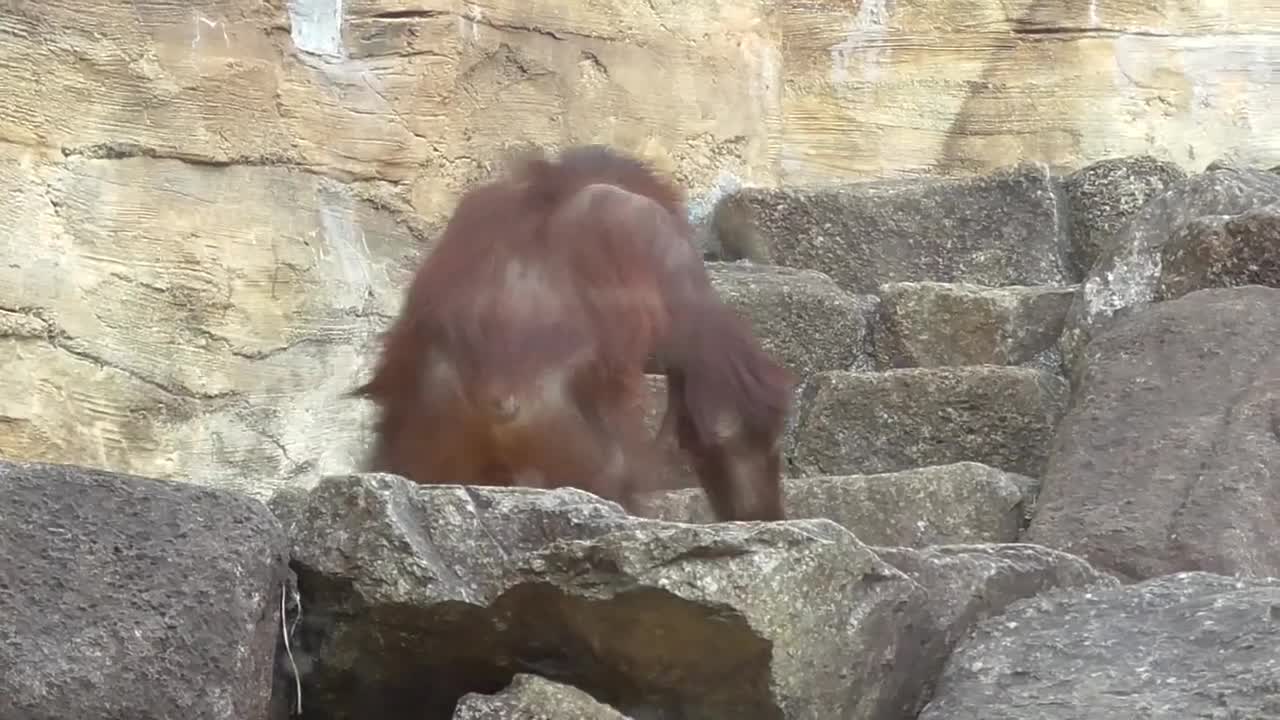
{"x":61,"y":340}
{"x":121,"y":150}
{"x":408,"y":14}
{"x":595,"y":61}
{"x":1084,"y":30}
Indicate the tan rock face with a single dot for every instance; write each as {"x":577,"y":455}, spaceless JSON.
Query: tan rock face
{"x":887,"y":87}
{"x":173,"y":319}
{"x":420,"y":96}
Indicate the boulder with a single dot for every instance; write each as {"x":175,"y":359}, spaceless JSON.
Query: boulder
{"x":967,"y":584}
{"x":1188,"y":645}
{"x":1167,"y":459}
{"x":1103,"y":196}
{"x":416,"y":596}
{"x":960,"y":503}
{"x":997,"y":229}
{"x":1222,"y":251}
{"x":802,"y":317}
{"x":130,"y":597}
{"x":852,"y":422}
{"x":930,"y":324}
{"x":1127,"y":273}
{"x":530,"y":697}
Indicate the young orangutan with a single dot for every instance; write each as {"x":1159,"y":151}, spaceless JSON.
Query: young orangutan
{"x":519,"y":355}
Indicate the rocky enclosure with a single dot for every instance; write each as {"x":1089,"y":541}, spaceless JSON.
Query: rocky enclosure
{"x":280,"y":163}
{"x":1033,"y":474}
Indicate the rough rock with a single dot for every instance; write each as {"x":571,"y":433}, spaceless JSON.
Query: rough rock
{"x":1166,"y":459}
{"x":867,"y":95}
{"x":1190,"y":645}
{"x":674,"y":470}
{"x":969,"y":583}
{"x":930,"y":324}
{"x":1103,"y":196}
{"x":801,"y":316}
{"x":530,"y":697}
{"x":944,"y":504}
{"x":1127,"y":273}
{"x":1222,"y":251}
{"x":123,"y":596}
{"x":369,"y":91}
{"x":853,"y":422}
{"x":998,"y":229}
{"x":418,"y":595}
{"x":209,"y":319}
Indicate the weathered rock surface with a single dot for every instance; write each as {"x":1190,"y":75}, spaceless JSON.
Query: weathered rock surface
{"x":969,"y":583}
{"x":1166,"y":460}
{"x":802,"y":317}
{"x":192,"y":321}
{"x":530,"y":697}
{"x":123,"y":596}
{"x":930,"y":324}
{"x":1191,"y":645}
{"x":1128,"y":272}
{"x":945,"y":504}
{"x":425,"y":100}
{"x":1008,"y":85}
{"x":1000,"y":229}
{"x":1103,"y":196}
{"x":852,"y":423}
{"x":1222,"y":251}
{"x":419,"y":595}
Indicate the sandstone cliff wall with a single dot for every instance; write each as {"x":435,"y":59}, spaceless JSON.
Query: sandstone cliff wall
{"x":924,"y":87}
{"x":208,"y":209}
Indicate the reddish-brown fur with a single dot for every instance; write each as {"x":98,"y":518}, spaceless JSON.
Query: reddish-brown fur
{"x":519,"y":355}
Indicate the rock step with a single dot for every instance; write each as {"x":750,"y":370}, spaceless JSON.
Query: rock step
{"x":801,"y":316}
{"x":1021,"y":225}
{"x":959,"y":503}
{"x":873,"y":422}
{"x":1000,"y":229}
{"x":811,"y":324}
{"x":932,"y":324}
{"x":851,"y":422}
